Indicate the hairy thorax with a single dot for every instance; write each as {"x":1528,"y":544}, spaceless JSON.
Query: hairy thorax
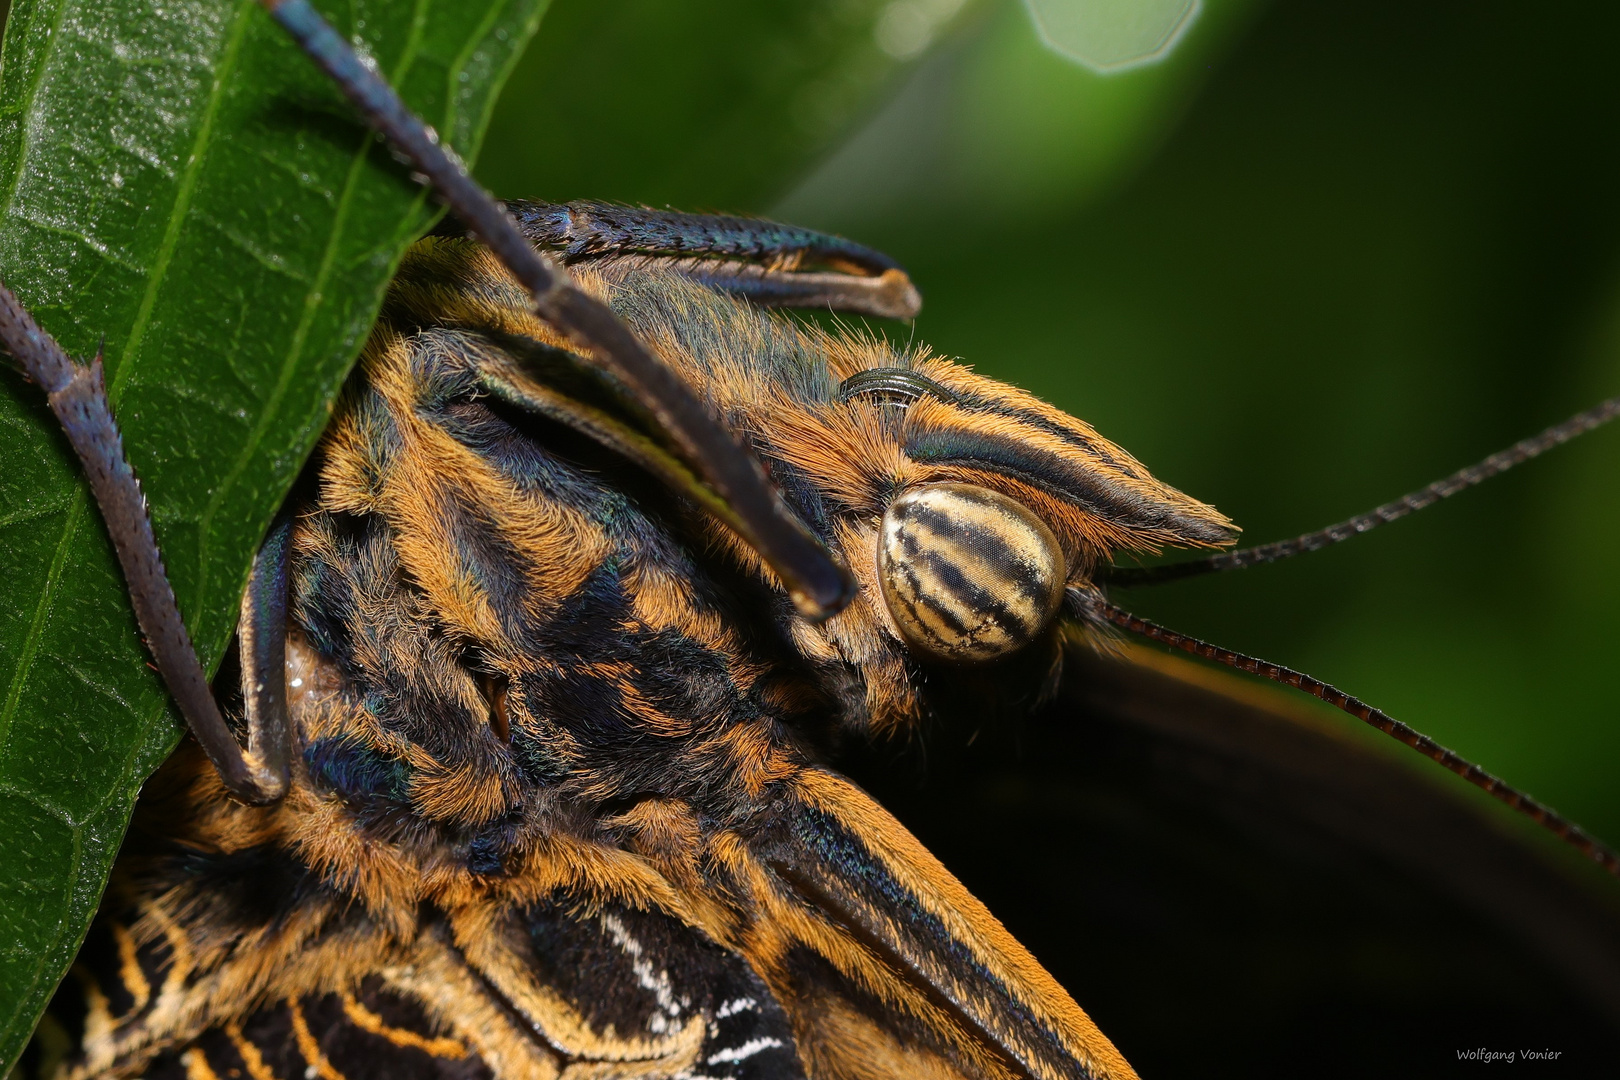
{"x":561,"y":794}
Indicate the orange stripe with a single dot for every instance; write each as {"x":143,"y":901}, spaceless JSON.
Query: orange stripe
{"x":249,"y":1053}
{"x":370,"y":1021}
{"x":307,"y":1045}
{"x":966,"y":920}
{"x":180,"y":962}
{"x":197,"y":1067}
{"x":129,"y":968}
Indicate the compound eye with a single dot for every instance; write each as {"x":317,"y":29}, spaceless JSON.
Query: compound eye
{"x":968,"y":574}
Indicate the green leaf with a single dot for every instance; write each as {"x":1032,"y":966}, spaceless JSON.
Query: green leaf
{"x":175,"y":179}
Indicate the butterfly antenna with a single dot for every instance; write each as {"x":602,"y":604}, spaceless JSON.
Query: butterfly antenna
{"x":1096,"y":607}
{"x":818,"y":584}
{"x":1460,"y":480}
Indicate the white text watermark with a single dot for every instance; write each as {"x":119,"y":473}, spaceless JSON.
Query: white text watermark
{"x":1485,"y":1056}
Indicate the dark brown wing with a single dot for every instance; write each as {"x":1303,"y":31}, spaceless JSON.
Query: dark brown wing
{"x":1233,"y":886}
{"x":559,"y":986}
{"x":889,"y":966}
{"x":814,"y":936}
{"x":371,"y":1032}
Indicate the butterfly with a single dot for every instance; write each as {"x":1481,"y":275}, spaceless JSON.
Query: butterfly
{"x":656,"y":876}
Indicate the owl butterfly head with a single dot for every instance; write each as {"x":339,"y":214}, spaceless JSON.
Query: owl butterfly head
{"x":965,"y":509}
{"x":974,"y":524}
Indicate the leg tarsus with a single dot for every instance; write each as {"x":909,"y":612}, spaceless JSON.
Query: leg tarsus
{"x":78,"y":398}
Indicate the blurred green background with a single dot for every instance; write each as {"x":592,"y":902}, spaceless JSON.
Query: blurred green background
{"x":1320,"y":256}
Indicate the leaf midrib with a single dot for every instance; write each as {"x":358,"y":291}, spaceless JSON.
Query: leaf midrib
{"x":184,"y":191}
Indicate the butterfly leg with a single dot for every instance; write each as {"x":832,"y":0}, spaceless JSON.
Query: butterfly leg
{"x":262,"y":633}
{"x":78,"y":398}
{"x":768,"y":263}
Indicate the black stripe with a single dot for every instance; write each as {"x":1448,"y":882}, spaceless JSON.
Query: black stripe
{"x":829,"y":866}
{"x":982,"y":602}
{"x":1092,"y":492}
{"x":988,"y":544}
{"x":918,"y":595}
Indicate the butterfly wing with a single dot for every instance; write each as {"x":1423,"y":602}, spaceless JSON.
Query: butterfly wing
{"x":877,"y":947}
{"x":819,"y":935}
{"x":1190,"y":851}
{"x":818,"y":938}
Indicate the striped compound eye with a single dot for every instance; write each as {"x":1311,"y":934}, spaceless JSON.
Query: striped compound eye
{"x":968,"y":574}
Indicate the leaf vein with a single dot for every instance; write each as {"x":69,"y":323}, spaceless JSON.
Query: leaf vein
{"x":182,"y":201}
{"x":36,"y":626}
{"x":33,"y":513}
{"x":26,"y":105}
{"x":295,"y":351}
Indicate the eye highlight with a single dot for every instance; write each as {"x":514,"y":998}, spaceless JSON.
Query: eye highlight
{"x":967,"y":573}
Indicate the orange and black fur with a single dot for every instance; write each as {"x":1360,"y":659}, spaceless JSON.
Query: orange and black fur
{"x":560,"y":802}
